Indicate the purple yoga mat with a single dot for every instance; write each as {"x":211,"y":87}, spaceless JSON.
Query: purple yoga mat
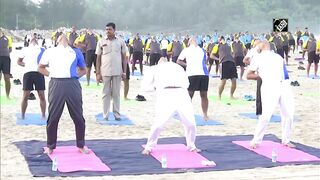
{"x":178,"y":156}
{"x":284,"y":153}
{"x":70,"y":160}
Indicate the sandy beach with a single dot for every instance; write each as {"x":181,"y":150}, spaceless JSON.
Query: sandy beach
{"x":305,"y":131}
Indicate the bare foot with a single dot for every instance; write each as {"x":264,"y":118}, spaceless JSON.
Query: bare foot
{"x":206,"y":117}
{"x":219,"y":98}
{"x":233,"y":98}
{"x":146,"y":152}
{"x":48,"y":151}
{"x":290,"y":145}
{"x":196,"y":150}
{"x":253,"y":146}
{"x":84,"y":151}
{"x":126,"y":99}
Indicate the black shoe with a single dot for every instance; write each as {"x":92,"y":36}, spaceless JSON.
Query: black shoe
{"x":295,"y":83}
{"x":32,"y":96}
{"x":140,"y":98}
{"x":16,"y":81}
{"x":301,"y":68}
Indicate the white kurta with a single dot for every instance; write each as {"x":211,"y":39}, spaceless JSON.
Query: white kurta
{"x":275,"y":90}
{"x":171,"y":83}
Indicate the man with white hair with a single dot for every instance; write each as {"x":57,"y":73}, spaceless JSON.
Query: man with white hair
{"x":275,"y":89}
{"x":67,"y":65}
{"x":197,"y":72}
{"x":171,"y":83}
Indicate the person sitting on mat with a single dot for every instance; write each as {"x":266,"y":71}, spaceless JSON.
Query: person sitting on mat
{"x":66,"y":66}
{"x":275,"y":90}
{"x":171,"y":83}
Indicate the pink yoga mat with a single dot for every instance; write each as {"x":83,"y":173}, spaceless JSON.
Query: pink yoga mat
{"x":284,"y":154}
{"x":70,"y":160}
{"x":178,"y":156}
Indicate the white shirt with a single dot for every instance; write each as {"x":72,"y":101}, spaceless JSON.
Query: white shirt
{"x":31,"y":56}
{"x":63,"y":61}
{"x":165,"y":74}
{"x":196,"y":60}
{"x":252,"y":52}
{"x":269,"y":66}
{"x":164,"y":44}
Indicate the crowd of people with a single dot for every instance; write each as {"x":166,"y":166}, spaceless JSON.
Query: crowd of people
{"x":181,"y":65}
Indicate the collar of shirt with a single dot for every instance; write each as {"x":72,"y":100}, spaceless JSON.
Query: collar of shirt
{"x":114,"y":37}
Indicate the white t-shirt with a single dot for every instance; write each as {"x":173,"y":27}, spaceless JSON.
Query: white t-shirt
{"x":31,"y":56}
{"x":269,"y":66}
{"x":252,"y":52}
{"x":63,"y":61}
{"x":196,"y":60}
{"x":164,"y":44}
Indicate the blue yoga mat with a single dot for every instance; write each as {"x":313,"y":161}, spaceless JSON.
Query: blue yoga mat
{"x":136,"y":73}
{"x":31,"y":119}
{"x":84,"y":79}
{"x":201,"y":122}
{"x":111,"y":120}
{"x":311,"y":76}
{"x":274,"y":118}
{"x":124,"y":156}
{"x":214,"y":75}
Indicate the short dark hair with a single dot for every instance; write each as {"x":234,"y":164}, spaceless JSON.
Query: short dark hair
{"x":111,"y":24}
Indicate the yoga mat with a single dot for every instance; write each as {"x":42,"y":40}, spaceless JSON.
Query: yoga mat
{"x":5,"y":101}
{"x":111,"y":120}
{"x":84,"y":79}
{"x":124,"y":156}
{"x":178,"y":156}
{"x":311,"y":76}
{"x":31,"y":119}
{"x":214,"y":75}
{"x":312,"y":94}
{"x":201,"y":122}
{"x":70,"y":160}
{"x":299,"y":59}
{"x":226,"y":100}
{"x":136,"y":73}
{"x":274,"y":118}
{"x":284,"y":154}
{"x":129,"y":102}
{"x":92,"y":85}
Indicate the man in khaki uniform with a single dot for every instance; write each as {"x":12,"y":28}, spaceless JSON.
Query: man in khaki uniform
{"x":111,"y":67}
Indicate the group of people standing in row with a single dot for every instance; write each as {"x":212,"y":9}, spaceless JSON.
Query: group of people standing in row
{"x":187,"y":71}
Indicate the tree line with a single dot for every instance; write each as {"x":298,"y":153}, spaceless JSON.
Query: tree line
{"x":160,"y":16}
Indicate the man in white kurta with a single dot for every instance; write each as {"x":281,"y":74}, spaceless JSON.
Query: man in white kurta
{"x":275,"y":90}
{"x":171,"y":83}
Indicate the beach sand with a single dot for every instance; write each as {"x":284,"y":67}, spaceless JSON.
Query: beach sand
{"x":305,"y":131}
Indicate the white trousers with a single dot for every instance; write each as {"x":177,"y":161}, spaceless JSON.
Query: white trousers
{"x":169,"y":102}
{"x":272,"y":95}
